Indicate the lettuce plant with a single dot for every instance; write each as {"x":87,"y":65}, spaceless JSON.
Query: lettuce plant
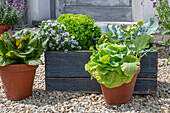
{"x":59,"y":38}
{"x":23,"y":47}
{"x":82,"y":27}
{"x":115,"y":64}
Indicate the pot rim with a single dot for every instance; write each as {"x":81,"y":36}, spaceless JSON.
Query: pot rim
{"x":6,"y":26}
{"x":18,"y":67}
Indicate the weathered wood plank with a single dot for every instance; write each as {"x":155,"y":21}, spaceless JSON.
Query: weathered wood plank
{"x":71,"y":64}
{"x":149,"y":63}
{"x":143,"y":86}
{"x":99,"y":2}
{"x":102,"y":13}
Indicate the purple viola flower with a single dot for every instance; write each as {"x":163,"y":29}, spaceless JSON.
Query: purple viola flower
{"x":49,"y":24}
{"x":50,"y":44}
{"x":6,"y":9}
{"x":62,"y":43}
{"x":42,"y":32}
{"x":72,"y":46}
{"x":58,"y":48}
{"x":76,"y":43}
{"x":72,"y":41}
{"x":16,"y":1}
{"x":47,"y":34}
{"x":67,"y":33}
{"x":69,"y":42}
{"x":52,"y":32}
{"x":57,"y":39}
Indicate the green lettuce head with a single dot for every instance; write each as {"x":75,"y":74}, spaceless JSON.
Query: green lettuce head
{"x":112,"y":65}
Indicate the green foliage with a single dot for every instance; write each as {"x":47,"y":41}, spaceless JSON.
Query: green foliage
{"x":163,"y":16}
{"x":112,"y":64}
{"x":23,"y":47}
{"x":59,"y":39}
{"x":123,"y":33}
{"x":82,"y":27}
{"x":11,"y":12}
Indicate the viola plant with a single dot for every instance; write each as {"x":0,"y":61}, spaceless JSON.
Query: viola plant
{"x":11,"y":12}
{"x":59,"y":38}
{"x":23,"y":47}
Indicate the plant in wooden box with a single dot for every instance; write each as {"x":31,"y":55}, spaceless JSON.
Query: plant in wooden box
{"x":126,"y":34}
{"x":116,"y":66}
{"x":63,"y":59}
{"x":10,"y":13}
{"x":19,"y":58}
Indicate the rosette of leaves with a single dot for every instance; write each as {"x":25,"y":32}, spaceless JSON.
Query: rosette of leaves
{"x":59,"y":38}
{"x":115,"y":64}
{"x":82,"y":27}
{"x":23,"y":47}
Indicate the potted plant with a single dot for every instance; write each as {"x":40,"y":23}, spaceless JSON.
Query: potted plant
{"x":19,"y":58}
{"x":116,"y":66}
{"x":11,"y":13}
{"x":68,"y":50}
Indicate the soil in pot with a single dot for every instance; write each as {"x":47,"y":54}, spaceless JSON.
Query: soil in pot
{"x":4,"y":28}
{"x":119,"y":95}
{"x":17,"y":80}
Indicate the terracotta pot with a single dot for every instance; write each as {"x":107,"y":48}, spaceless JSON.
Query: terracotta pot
{"x":17,"y":80}
{"x":119,"y":95}
{"x":4,"y":28}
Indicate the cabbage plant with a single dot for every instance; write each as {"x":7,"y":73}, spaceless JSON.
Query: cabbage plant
{"x":23,"y":47}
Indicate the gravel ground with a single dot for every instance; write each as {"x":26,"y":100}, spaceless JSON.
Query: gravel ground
{"x":56,"y":101}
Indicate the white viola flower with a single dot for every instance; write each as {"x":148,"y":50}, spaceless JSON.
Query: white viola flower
{"x":73,"y":37}
{"x":17,"y":37}
{"x":66,"y":40}
{"x":45,"y":27}
{"x":48,"y":20}
{"x":54,"y":24}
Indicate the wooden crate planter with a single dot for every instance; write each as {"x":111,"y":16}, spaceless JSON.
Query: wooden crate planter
{"x":65,"y":72}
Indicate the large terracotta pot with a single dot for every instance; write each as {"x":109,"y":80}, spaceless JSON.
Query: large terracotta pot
{"x":119,"y":95}
{"x":4,"y":28}
{"x":17,"y":80}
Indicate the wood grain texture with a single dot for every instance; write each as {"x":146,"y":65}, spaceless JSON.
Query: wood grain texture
{"x":149,"y":63}
{"x":102,"y":13}
{"x":71,"y":64}
{"x":86,"y":85}
{"x":99,"y":2}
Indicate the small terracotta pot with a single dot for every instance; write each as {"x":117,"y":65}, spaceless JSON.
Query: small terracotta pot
{"x":17,"y":80}
{"x":4,"y":28}
{"x":119,"y":95}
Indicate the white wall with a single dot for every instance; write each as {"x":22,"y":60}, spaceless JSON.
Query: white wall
{"x":38,"y":10}
{"x":143,"y":10}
